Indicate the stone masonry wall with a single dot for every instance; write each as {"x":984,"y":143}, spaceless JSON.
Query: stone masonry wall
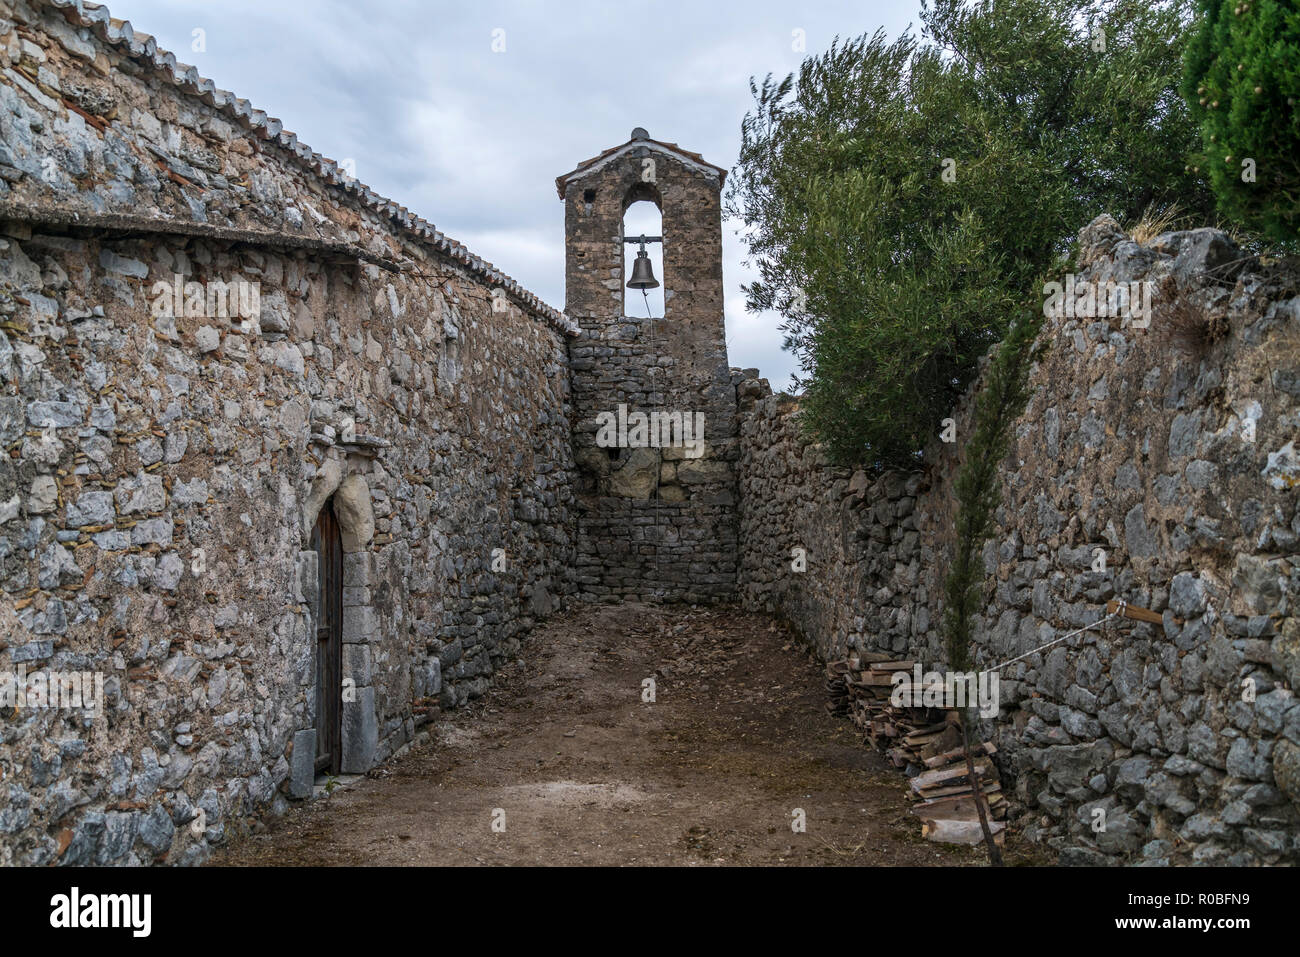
{"x":652,"y":523}
{"x":1173,"y":449}
{"x":161,"y":472}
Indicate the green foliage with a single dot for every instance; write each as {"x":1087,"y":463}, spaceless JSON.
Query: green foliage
{"x":1242,"y":83}
{"x":892,"y":282}
{"x":999,"y":402}
{"x":1001,"y":399}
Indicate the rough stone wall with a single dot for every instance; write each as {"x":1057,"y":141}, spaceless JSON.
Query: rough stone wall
{"x":1135,"y":442}
{"x":162,"y":472}
{"x":854,"y":535}
{"x":652,"y":523}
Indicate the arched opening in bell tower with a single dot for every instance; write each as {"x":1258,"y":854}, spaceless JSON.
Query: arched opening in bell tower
{"x":642,"y":217}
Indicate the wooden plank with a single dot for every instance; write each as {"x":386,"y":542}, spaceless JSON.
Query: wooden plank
{"x":926,"y":733}
{"x":875,"y":680}
{"x":958,"y":807}
{"x":1138,"y":613}
{"x":956,"y":789}
{"x":961,"y":832}
{"x":939,"y":760}
{"x":931,"y":778}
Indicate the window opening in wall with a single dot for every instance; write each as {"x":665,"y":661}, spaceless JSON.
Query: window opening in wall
{"x":643,"y":219}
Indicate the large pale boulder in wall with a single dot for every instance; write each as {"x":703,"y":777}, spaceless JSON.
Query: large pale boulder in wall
{"x":356,"y":517}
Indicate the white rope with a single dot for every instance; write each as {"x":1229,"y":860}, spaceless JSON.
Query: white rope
{"x":659,"y":465}
{"x":1121,"y":607}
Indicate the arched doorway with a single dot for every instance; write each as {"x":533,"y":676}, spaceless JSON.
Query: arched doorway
{"x":327,"y":542}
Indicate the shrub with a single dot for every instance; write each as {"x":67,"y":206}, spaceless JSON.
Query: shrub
{"x":893,"y":279}
{"x":1242,"y":83}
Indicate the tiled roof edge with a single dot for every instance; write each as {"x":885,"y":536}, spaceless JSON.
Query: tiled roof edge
{"x":590,"y":165}
{"x":144,"y":49}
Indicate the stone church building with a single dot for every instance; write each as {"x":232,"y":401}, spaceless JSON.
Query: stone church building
{"x":288,"y":472}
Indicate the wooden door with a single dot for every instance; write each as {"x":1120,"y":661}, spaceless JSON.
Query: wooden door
{"x":328,"y":542}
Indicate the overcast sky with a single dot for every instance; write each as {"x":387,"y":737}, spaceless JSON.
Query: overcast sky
{"x":472,"y":139}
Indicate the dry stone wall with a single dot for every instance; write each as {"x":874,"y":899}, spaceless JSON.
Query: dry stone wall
{"x":163,"y":465}
{"x":1170,"y":451}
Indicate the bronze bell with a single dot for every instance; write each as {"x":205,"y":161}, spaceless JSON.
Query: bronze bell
{"x":643,"y":274}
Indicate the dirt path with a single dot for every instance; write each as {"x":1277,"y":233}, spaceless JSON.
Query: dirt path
{"x":588,"y":773}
